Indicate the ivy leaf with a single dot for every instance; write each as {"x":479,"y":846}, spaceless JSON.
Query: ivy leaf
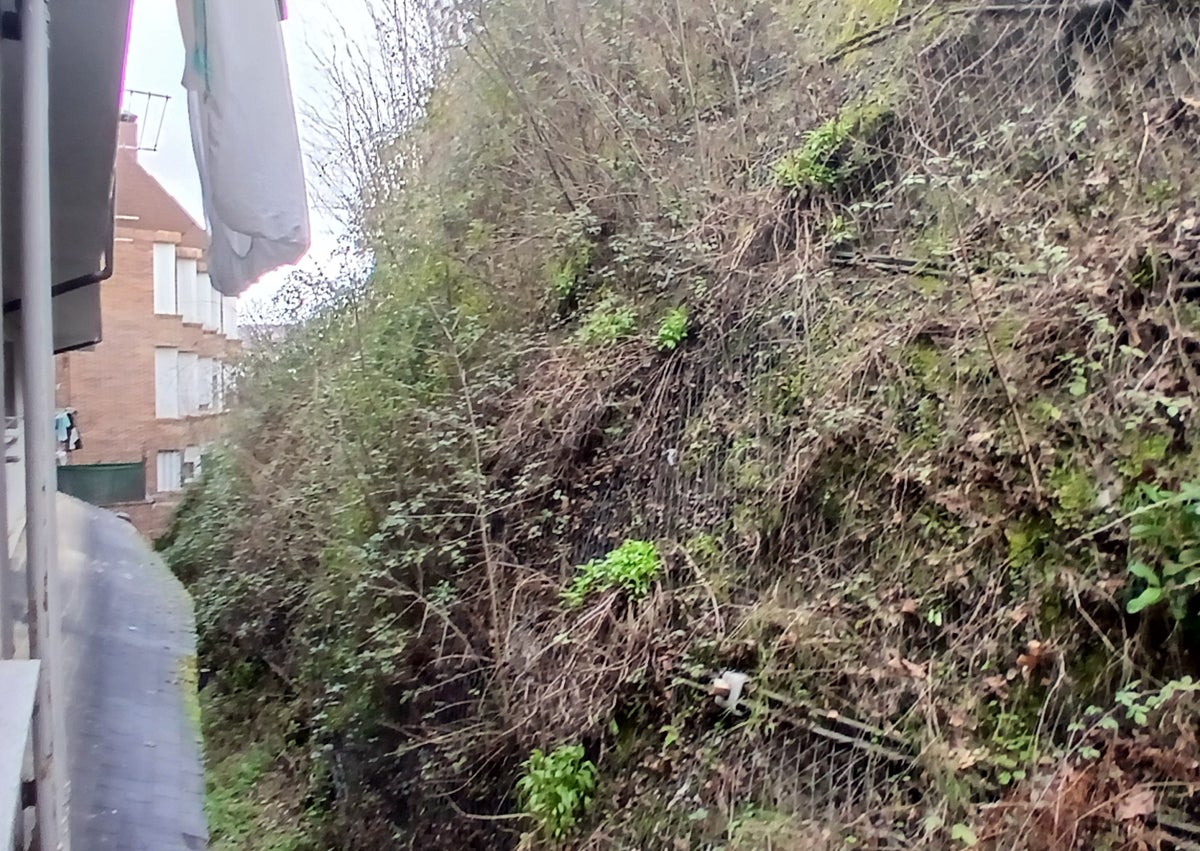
{"x":963,"y":833}
{"x":1147,"y":598}
{"x":1190,"y":557}
{"x":1144,"y":571}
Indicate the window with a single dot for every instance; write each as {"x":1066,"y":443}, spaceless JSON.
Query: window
{"x":228,"y":385}
{"x":170,"y":471}
{"x":165,"y":300}
{"x":218,"y":386}
{"x":215,"y":312}
{"x":229,"y":317}
{"x":204,"y":384}
{"x":210,"y":303}
{"x":191,"y":464}
{"x":189,"y":370}
{"x":189,"y":306}
{"x":166,"y":383}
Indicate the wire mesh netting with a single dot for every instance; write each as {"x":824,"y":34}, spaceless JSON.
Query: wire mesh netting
{"x":910,"y":237}
{"x":948,"y":140}
{"x":939,"y":155}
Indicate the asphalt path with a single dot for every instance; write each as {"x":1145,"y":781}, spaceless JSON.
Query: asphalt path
{"x":135,"y":759}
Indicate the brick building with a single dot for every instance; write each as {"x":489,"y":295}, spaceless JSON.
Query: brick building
{"x":153,"y":390}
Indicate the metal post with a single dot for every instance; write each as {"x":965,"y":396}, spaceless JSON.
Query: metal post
{"x":8,"y":593}
{"x":37,"y":326}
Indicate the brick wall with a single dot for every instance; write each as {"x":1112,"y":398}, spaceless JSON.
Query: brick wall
{"x":112,"y":386}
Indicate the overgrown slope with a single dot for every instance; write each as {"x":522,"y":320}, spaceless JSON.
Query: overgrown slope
{"x":826,"y":342}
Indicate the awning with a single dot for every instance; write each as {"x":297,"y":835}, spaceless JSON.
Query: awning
{"x":86,"y":68}
{"x":244,"y":138}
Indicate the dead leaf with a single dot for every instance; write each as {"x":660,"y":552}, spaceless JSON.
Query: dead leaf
{"x":1138,"y":803}
{"x":1099,"y":178}
{"x":912,"y":669}
{"x":965,"y":758}
{"x":997,"y":684}
{"x":1036,"y":655}
{"x":980,"y":437}
{"x":910,"y":607}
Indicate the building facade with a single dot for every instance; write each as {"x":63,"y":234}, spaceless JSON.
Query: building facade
{"x":153,"y":390}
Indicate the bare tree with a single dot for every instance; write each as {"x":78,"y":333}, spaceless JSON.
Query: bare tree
{"x":377,"y":84}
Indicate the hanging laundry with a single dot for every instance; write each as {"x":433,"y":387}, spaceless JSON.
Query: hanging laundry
{"x":74,"y":441}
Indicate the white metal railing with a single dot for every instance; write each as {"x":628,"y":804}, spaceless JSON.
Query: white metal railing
{"x":18,"y":696}
{"x":12,"y":436}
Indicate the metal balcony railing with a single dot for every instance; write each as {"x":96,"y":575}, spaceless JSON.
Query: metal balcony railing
{"x":18,"y":685}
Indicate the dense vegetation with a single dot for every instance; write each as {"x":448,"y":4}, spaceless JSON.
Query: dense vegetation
{"x":816,"y":341}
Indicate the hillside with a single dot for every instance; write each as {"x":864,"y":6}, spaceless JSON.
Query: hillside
{"x":852,"y":346}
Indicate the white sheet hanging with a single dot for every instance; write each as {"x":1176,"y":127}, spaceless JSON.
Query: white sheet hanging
{"x":244,"y":138}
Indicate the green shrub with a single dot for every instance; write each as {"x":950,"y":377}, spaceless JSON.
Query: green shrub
{"x":567,"y":273}
{"x":556,"y":788}
{"x":631,"y":567}
{"x":1165,"y":550}
{"x":673,"y":330}
{"x":835,"y":152}
{"x":609,"y":321}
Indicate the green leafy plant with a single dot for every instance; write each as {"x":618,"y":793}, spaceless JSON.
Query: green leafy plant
{"x":1165,"y":549}
{"x":963,"y":833}
{"x":608,"y":322}
{"x":834,"y":152}
{"x":1140,"y":705}
{"x":673,"y":330}
{"x":557,"y":788}
{"x":1014,"y":748}
{"x":631,"y":567}
{"x":841,"y":230}
{"x":568,"y":272}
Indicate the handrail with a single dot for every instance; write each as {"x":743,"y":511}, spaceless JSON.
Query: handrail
{"x":18,"y":696}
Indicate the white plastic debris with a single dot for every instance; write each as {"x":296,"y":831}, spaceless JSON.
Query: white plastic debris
{"x":728,"y":689}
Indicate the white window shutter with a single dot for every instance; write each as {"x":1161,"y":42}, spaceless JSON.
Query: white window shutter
{"x":215,"y":305}
{"x":165,"y":296}
{"x":188,"y":371}
{"x":209,"y":311}
{"x":191,"y":464}
{"x":166,"y":383}
{"x":189,"y":290}
{"x":204,"y":388}
{"x":170,"y":471}
{"x":229,"y":317}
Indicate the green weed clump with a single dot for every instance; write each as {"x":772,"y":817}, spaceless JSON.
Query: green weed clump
{"x":673,"y":330}
{"x":557,"y":788}
{"x":833,"y":153}
{"x":566,"y":275}
{"x":609,"y":321}
{"x":1165,"y":549}
{"x":631,"y":567}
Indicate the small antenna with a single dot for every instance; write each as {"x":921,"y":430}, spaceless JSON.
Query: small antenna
{"x":151,"y":116}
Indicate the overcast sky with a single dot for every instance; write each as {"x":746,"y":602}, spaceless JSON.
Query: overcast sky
{"x":155,"y":63}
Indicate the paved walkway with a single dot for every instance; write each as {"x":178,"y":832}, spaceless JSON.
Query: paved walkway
{"x":135,"y":761}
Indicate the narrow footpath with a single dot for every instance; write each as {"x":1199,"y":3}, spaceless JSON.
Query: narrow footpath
{"x":135,"y":756}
